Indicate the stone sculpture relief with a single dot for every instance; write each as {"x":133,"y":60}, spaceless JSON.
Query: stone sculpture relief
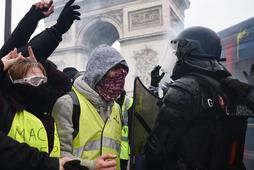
{"x":145,"y":61}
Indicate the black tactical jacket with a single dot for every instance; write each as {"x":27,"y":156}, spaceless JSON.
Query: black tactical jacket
{"x":185,"y":131}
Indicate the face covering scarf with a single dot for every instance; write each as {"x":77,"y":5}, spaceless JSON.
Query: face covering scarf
{"x":112,"y":85}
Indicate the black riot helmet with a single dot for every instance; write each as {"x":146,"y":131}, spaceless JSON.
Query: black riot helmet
{"x":198,"y":49}
{"x":198,"y":42}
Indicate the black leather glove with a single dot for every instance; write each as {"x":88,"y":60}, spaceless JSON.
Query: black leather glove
{"x":67,"y":17}
{"x":156,"y":77}
{"x":74,"y":165}
{"x":237,"y":87}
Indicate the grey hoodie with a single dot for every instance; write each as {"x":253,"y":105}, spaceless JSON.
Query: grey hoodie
{"x":102,"y":59}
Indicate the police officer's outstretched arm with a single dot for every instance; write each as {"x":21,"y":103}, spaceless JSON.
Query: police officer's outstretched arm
{"x":176,"y":113}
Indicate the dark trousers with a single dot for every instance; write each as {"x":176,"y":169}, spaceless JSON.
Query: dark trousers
{"x":123,"y":164}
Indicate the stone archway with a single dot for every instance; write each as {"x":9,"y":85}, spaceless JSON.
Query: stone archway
{"x":98,"y":31}
{"x":143,"y":29}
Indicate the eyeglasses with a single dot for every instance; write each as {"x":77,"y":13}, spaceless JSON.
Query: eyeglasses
{"x":33,"y":80}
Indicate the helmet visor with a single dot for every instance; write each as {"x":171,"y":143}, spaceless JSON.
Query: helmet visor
{"x":177,"y":44}
{"x":190,"y":48}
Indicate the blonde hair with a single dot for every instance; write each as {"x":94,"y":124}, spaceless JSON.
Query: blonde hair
{"x":19,"y":69}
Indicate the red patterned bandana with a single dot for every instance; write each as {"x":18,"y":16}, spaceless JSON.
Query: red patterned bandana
{"x":112,"y":85}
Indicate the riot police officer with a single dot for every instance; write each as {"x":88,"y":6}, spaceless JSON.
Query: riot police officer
{"x":194,"y":129}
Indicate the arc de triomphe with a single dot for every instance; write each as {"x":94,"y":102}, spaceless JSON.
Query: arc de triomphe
{"x":142,"y":27}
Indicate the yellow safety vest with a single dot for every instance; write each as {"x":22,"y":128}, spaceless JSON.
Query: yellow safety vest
{"x":125,"y":147}
{"x":95,"y":137}
{"x":27,"y":128}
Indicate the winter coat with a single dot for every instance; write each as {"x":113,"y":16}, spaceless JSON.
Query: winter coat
{"x":192,"y":130}
{"x":20,"y":156}
{"x":14,"y":155}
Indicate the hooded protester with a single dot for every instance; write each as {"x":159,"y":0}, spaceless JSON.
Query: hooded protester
{"x":96,"y":129}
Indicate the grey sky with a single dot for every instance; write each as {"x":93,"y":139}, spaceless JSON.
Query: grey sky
{"x":19,"y":9}
{"x":216,"y":14}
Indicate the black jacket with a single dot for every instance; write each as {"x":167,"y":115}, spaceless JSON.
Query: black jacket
{"x":20,"y":156}
{"x":15,"y":156}
{"x":185,"y":131}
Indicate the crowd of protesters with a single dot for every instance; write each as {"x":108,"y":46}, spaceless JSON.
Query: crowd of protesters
{"x":70,"y":120}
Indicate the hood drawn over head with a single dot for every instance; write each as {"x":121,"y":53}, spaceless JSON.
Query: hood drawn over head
{"x":102,"y":59}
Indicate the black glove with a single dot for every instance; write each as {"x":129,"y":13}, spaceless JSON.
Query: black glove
{"x":67,"y":17}
{"x":74,"y":165}
{"x":156,"y":77}
{"x":237,"y":87}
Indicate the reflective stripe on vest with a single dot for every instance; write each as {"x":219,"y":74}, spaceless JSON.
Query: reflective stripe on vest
{"x":96,"y":137}
{"x":96,"y":145}
{"x":27,"y":128}
{"x":125,"y":147}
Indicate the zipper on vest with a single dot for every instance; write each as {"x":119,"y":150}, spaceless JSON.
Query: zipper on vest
{"x":102,"y":136}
